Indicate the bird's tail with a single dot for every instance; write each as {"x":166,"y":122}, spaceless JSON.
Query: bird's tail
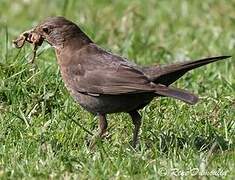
{"x":168,"y":74}
{"x":176,"y":93}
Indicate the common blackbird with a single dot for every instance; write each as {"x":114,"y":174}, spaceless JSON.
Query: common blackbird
{"x":103,"y":82}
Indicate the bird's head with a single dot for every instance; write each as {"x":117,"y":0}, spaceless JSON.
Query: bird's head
{"x":56,"y":31}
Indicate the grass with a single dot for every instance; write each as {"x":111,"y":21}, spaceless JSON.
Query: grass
{"x":39,"y":135}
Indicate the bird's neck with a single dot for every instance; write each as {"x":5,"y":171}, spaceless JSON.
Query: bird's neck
{"x":73,"y":39}
{"x":71,"y":42}
{"x":76,"y":42}
{"x":70,"y":46}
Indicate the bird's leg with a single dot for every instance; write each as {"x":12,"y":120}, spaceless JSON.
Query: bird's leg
{"x":102,"y":125}
{"x":102,"y":130}
{"x":136,"y":119}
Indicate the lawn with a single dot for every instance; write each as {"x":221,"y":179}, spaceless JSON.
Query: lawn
{"x":44,"y":133}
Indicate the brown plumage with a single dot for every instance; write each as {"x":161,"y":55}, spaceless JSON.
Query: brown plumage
{"x":104,"y":83}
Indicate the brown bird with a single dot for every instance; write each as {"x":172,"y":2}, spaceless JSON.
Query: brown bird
{"x":104,"y":83}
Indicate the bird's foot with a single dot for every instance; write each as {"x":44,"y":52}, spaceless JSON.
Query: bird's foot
{"x":135,"y":144}
{"x":96,"y":139}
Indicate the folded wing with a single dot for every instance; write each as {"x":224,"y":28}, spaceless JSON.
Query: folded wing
{"x":105,"y":73}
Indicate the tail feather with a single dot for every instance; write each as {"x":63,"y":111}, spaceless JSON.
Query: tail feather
{"x":176,"y":93}
{"x":170,"y":73}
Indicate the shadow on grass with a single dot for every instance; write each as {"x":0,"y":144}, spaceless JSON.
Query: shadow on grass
{"x":167,"y":141}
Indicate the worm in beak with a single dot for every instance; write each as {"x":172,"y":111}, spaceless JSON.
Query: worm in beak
{"x":31,"y":37}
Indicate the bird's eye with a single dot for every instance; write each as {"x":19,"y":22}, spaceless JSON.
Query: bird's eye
{"x":45,"y":30}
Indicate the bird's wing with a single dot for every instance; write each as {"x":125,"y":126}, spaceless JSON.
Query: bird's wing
{"x":95,"y":71}
{"x":104,"y":73}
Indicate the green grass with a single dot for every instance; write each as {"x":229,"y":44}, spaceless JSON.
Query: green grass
{"x":38,"y":134}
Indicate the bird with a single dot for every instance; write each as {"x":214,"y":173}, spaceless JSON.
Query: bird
{"x":105,"y":83}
